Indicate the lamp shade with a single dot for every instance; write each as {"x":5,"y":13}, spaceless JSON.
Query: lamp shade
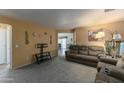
{"x":116,"y":36}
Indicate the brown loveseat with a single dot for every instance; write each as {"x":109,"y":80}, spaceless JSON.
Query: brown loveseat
{"x":87,"y":55}
{"x":109,"y":74}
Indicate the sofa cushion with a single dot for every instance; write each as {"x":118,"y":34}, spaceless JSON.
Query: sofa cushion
{"x":116,"y":72}
{"x":73,"y":55}
{"x":94,"y":53}
{"x":88,"y":58}
{"x":83,"y":50}
{"x":74,"y":49}
{"x":95,"y":50}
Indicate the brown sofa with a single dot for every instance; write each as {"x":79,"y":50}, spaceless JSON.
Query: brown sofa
{"x":87,"y":55}
{"x":109,"y":74}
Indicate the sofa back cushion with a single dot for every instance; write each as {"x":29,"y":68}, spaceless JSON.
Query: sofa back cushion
{"x":74,"y":49}
{"x":83,"y":50}
{"x":95,"y":50}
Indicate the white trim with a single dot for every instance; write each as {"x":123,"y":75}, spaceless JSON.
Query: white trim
{"x":10,"y":33}
{"x":10,"y":65}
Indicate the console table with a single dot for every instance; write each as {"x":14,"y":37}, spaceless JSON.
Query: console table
{"x":42,"y":55}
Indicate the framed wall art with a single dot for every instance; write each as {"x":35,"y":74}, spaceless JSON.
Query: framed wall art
{"x":97,"y":35}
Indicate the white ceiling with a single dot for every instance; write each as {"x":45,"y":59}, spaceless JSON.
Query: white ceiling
{"x":65,"y":18}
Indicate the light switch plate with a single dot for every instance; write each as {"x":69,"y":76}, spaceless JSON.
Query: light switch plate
{"x":17,"y":46}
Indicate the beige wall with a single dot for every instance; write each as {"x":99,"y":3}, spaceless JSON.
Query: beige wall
{"x":19,"y":55}
{"x":82,"y":33}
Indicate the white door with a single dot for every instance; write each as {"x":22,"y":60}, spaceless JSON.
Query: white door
{"x":3,"y":46}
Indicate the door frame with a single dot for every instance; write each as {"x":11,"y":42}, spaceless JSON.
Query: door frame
{"x":74,"y":37}
{"x":10,"y":45}
{"x":10,"y":65}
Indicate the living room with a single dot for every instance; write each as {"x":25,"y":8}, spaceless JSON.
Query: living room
{"x":97,"y":45}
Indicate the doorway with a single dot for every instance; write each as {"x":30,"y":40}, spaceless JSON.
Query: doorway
{"x":64,"y":41}
{"x":5,"y":46}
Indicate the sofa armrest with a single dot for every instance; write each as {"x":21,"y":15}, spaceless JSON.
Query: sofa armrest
{"x":112,"y":61}
{"x":102,"y":65}
{"x":116,"y":72}
{"x":100,"y":55}
{"x":101,"y":76}
{"x":66,"y":53}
